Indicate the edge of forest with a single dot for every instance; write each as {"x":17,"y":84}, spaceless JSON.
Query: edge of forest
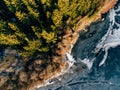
{"x":68,"y":41}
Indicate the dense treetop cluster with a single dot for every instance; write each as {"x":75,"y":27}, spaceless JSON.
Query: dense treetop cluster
{"x":33,"y":26}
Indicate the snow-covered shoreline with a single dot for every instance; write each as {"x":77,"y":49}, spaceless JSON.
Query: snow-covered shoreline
{"x":70,"y":60}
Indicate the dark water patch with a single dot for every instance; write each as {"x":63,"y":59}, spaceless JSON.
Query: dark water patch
{"x":87,"y":42}
{"x":109,"y":72}
{"x":117,"y":19}
{"x":112,"y":64}
{"x":58,"y":88}
{"x":115,"y":26}
{"x":117,"y":4}
{"x":118,"y":12}
{"x":96,"y":69}
{"x":116,"y":7}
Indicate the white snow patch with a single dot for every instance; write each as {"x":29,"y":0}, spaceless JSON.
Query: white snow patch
{"x":88,"y":62}
{"x":70,"y":57}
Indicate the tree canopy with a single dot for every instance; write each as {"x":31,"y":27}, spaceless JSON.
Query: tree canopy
{"x":32,"y":26}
